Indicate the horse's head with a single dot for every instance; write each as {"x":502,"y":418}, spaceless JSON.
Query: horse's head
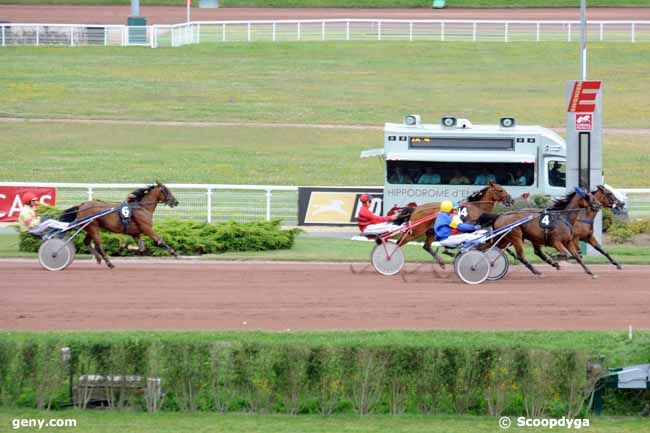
{"x":165,"y":196}
{"x":586,"y":200}
{"x":498,"y":194}
{"x":609,"y":197}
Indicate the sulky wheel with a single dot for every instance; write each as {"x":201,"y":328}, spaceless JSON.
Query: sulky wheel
{"x":499,"y":263}
{"x":387,"y":258}
{"x":472,"y":267}
{"x":55,"y":254}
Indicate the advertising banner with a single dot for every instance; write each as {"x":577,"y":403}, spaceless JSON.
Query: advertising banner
{"x":11,"y":199}
{"x":334,"y":206}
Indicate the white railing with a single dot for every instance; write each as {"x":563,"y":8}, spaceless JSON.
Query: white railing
{"x":73,"y":35}
{"x":322,"y":30}
{"x":197,"y":202}
{"x":243,"y":203}
{"x":638,"y":202}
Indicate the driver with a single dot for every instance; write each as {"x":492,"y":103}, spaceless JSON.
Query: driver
{"x":445,"y":222}
{"x":371,"y":224}
{"x":30,"y":222}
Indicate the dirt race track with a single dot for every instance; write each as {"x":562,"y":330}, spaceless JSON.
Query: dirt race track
{"x":217,"y":295}
{"x":78,"y":14}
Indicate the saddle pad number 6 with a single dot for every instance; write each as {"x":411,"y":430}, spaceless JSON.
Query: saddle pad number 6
{"x":125,"y":211}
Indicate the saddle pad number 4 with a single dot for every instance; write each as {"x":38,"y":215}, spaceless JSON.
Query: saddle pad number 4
{"x":462,"y":212}
{"x":546,"y":220}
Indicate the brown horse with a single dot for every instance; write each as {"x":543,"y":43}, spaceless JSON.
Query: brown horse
{"x":478,"y":203}
{"x":142,"y":203}
{"x":553,"y":227}
{"x":583,"y":228}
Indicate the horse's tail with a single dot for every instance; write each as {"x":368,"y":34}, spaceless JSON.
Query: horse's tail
{"x":69,"y":215}
{"x":487,"y":219}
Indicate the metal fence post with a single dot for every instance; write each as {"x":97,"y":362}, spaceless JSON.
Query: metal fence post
{"x":538,"y":28}
{"x":411,"y":31}
{"x":601,"y":31}
{"x":569,"y":33}
{"x":273,"y":31}
{"x":106,"y":29}
{"x":209,"y":205}
{"x":505,"y":32}
{"x":347,"y":30}
{"x":442,"y":31}
{"x":71,"y":36}
{"x":248,"y":32}
{"x":298,"y":30}
{"x":268,"y":205}
{"x":474,"y":31}
{"x":322,"y":31}
{"x":633,"y":32}
{"x":198,"y":33}
{"x":3,"y":36}
{"x":223,"y":32}
{"x":379,"y":30}
{"x":90,"y":193}
{"x":37,"y":37}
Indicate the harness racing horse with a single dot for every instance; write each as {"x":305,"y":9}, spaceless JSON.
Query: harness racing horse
{"x":477,"y":204}
{"x":583,"y":228}
{"x":142,"y":203}
{"x":553,"y":227}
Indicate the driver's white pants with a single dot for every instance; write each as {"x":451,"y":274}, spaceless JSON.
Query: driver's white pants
{"x":48,"y":224}
{"x":380,"y":229}
{"x":455,"y":240}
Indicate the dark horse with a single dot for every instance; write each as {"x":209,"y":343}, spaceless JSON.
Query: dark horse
{"x":557,"y":233}
{"x":142,"y":203}
{"x":583,"y":228}
{"x":478,"y":203}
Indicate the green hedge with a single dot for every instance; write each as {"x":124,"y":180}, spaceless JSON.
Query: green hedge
{"x":282,"y":375}
{"x":187,"y":238}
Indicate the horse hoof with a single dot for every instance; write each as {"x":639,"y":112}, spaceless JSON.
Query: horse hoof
{"x":619,"y":267}
{"x":110,"y":265}
{"x":594,"y":276}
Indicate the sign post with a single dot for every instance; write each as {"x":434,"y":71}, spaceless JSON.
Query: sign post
{"x":584,"y":139}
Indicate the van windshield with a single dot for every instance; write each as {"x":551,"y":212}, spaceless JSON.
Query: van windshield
{"x":460,"y":173}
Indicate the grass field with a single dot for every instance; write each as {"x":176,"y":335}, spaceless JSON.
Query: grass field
{"x":314,"y":249}
{"x":112,"y":421}
{"x":346,"y":83}
{"x":70,"y":152}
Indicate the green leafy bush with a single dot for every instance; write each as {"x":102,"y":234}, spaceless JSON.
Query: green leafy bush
{"x":275,"y":375}
{"x":622,"y":231}
{"x":186,"y":237}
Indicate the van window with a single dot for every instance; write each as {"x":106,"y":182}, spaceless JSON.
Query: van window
{"x":459,"y":173}
{"x":557,"y":173}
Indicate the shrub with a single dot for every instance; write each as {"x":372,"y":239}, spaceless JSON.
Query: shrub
{"x":213,"y":372}
{"x":186,"y":237}
{"x":623,"y":231}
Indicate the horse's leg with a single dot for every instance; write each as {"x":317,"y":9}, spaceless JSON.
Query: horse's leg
{"x":89,"y":244}
{"x":141,"y":247}
{"x":428,"y":249}
{"x":93,"y":230}
{"x":539,"y":253}
{"x":147,"y":230}
{"x":570,"y":248}
{"x":594,"y":243}
{"x":515,"y":238}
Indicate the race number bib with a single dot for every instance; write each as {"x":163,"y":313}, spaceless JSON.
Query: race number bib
{"x":125,"y":211}
{"x":546,"y":220}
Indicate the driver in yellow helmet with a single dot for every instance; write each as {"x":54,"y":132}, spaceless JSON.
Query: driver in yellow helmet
{"x":445,"y":222}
